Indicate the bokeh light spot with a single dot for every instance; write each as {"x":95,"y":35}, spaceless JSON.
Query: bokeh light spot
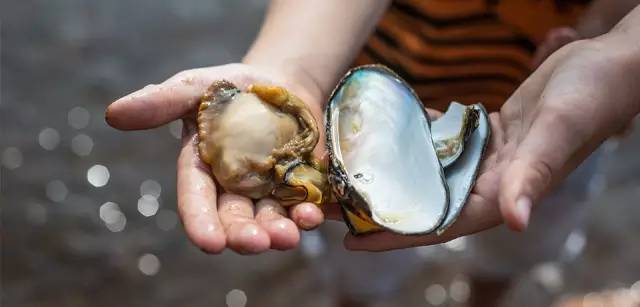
{"x":149,"y":264}
{"x":150,"y":187}
{"x":78,"y":117}
{"x":435,"y":294}
{"x":148,"y":205}
{"x":236,"y":298}
{"x":549,"y":275}
{"x":82,"y":145}
{"x":98,"y":175}
{"x":459,"y":290}
{"x":57,"y":191}
{"x":166,"y":219}
{"x":49,"y":138}
{"x":12,"y":158}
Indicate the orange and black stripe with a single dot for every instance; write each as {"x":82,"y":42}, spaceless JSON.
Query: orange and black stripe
{"x":465,"y":50}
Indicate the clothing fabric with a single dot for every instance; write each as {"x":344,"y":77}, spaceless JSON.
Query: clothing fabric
{"x":465,"y":50}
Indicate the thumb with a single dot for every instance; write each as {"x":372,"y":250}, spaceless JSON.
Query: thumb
{"x":158,"y":104}
{"x":546,"y":154}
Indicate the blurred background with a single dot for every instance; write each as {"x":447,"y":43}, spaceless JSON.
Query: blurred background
{"x":88,"y":213}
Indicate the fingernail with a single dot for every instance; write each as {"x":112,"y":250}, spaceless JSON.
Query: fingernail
{"x":523,"y":210}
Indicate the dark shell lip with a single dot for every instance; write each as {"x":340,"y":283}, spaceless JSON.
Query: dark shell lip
{"x":349,"y":196}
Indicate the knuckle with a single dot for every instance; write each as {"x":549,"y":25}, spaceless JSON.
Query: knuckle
{"x":542,"y":171}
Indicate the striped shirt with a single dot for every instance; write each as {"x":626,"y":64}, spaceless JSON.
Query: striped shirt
{"x":465,"y":50}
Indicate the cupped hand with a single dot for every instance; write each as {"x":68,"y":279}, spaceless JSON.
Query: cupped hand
{"x":212,"y":219}
{"x":578,"y":97}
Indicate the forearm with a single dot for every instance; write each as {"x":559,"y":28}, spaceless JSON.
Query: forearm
{"x":603,"y":15}
{"x":311,"y":43}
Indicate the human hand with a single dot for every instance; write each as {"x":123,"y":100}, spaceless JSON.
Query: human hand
{"x":582,"y":94}
{"x":214,"y":220}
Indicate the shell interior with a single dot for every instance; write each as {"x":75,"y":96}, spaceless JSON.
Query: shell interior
{"x":381,"y":146}
{"x":452,"y":130}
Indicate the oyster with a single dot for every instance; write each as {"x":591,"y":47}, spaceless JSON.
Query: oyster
{"x":383,"y":164}
{"x":259,"y":142}
{"x":387,"y":160}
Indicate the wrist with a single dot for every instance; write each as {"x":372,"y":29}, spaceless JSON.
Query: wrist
{"x":624,"y":53}
{"x":296,"y":79}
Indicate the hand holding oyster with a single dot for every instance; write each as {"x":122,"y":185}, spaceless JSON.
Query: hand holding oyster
{"x":390,"y":168}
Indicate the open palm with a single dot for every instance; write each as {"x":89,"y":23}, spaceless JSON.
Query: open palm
{"x":213,"y":220}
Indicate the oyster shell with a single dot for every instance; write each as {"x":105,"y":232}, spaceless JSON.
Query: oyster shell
{"x":383,"y":164}
{"x":452,"y":130}
{"x":387,"y":160}
{"x":461,"y":176}
{"x":259,"y":142}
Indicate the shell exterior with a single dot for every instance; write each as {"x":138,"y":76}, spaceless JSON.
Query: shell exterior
{"x":383,"y":164}
{"x":461,"y":175}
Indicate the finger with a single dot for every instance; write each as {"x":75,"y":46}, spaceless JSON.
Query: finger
{"x":271,"y":216}
{"x":197,"y":198}
{"x":477,"y":215}
{"x":244,"y":235}
{"x":542,"y":157}
{"x":306,"y":215}
{"x":155,"y":105}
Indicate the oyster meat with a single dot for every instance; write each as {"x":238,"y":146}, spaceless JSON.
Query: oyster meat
{"x":258,"y":143}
